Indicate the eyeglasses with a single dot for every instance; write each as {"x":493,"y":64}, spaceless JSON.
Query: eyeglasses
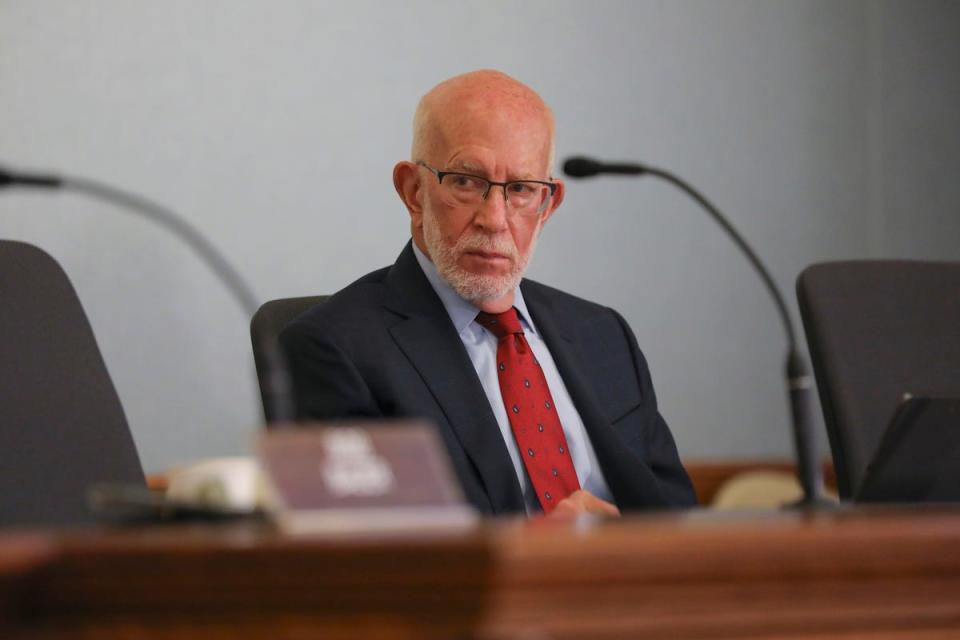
{"x":525,"y":197}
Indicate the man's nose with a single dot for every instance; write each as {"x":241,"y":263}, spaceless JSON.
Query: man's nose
{"x":492,"y":213}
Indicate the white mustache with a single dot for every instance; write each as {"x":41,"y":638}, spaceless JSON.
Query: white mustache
{"x":491,"y":244}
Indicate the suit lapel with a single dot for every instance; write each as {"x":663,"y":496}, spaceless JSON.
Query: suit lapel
{"x":629,"y":478}
{"x":428,"y":339}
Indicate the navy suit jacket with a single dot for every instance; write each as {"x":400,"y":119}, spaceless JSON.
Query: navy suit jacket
{"x":385,"y":347}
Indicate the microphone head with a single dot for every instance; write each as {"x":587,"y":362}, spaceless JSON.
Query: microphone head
{"x":11,"y":179}
{"x":580,"y":167}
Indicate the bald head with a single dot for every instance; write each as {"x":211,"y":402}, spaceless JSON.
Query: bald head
{"x":484,"y":96}
{"x":483,"y":125}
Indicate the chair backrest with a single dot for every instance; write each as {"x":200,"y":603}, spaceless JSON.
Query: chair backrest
{"x":62,"y":427}
{"x":877,"y":330}
{"x":268,"y":322}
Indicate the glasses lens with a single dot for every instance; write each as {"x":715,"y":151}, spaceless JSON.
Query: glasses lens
{"x":528,"y":198}
{"x":463,"y":189}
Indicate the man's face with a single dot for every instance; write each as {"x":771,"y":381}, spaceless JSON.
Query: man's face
{"x":483,"y":251}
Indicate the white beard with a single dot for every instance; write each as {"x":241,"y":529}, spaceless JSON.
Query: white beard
{"x":475,"y":287}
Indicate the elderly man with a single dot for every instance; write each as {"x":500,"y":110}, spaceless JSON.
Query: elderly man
{"x":543,"y":399}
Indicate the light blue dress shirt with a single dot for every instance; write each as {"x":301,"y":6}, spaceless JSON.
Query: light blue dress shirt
{"x":481,"y":346}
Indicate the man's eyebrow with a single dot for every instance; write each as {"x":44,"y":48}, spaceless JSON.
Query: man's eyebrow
{"x":476,"y":169}
{"x":469,"y":167}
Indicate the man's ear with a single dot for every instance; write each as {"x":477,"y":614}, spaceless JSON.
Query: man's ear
{"x":555,"y":201}
{"x":406,"y":180}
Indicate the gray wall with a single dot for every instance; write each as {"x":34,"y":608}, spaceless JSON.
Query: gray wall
{"x":825,"y":129}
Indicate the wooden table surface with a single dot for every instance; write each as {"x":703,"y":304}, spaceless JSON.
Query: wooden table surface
{"x":878,"y":573}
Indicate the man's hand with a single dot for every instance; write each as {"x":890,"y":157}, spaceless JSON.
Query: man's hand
{"x":580,"y":502}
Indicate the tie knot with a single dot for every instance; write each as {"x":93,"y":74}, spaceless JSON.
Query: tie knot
{"x":501,"y":324}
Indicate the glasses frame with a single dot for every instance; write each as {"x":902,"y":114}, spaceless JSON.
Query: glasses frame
{"x":490,"y":184}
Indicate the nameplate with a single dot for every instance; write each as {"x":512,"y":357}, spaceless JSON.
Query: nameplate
{"x":325,"y":477}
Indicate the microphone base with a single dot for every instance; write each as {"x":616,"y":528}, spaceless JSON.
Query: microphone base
{"x":808,"y":505}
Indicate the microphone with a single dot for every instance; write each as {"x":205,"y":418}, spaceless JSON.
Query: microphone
{"x":587,"y":168}
{"x":8,"y":179}
{"x":797,"y":371}
{"x":275,"y":382}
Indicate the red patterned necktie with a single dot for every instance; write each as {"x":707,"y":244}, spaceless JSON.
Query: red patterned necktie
{"x":533,"y":417}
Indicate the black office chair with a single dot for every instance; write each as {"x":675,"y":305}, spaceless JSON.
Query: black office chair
{"x":268,"y":322}
{"x":62,"y":427}
{"x":877,"y":330}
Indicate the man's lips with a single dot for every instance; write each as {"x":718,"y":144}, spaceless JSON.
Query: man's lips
{"x":488,"y":255}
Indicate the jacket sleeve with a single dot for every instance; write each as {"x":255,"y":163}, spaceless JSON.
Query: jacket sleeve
{"x":326,"y":383}
{"x":661,"y":450}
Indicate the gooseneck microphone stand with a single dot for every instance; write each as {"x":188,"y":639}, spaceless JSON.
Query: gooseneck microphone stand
{"x":275,"y":377}
{"x":798,"y":378}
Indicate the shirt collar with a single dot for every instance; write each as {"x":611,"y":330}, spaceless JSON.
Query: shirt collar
{"x":462,"y":312}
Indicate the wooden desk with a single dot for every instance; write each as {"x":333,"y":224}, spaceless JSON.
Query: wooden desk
{"x":877,"y":574}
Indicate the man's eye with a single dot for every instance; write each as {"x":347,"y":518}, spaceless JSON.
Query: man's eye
{"x":521,"y":188}
{"x":466,"y":182}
